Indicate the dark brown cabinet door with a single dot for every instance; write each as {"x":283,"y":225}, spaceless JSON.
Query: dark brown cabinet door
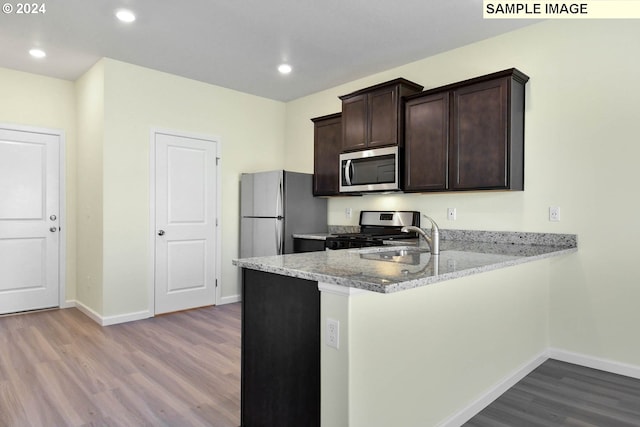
{"x":479,"y":148}
{"x":427,"y":143}
{"x":354,"y":113}
{"x":327,"y":146}
{"x":383,"y":117}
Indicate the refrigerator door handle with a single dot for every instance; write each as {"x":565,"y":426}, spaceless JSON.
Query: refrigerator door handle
{"x":279,"y":200}
{"x":278,"y":239}
{"x":279,"y":211}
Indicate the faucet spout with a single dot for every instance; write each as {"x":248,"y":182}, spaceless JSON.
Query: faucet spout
{"x":433,"y":241}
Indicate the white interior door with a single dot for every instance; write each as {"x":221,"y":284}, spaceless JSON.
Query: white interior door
{"x":29,"y":220}
{"x":185,"y":215}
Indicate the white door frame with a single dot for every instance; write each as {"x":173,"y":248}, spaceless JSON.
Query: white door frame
{"x":152,"y":209}
{"x":62,"y":198}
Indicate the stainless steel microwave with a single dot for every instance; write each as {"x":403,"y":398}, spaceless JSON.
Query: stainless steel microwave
{"x":370,"y":170}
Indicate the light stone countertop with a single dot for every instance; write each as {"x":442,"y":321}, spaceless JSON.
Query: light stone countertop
{"x":392,"y":269}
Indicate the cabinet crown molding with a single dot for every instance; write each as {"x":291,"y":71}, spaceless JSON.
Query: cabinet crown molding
{"x":399,"y":81}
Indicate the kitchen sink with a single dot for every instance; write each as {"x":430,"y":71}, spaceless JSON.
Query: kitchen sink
{"x":391,"y":250}
{"x":402,"y":255}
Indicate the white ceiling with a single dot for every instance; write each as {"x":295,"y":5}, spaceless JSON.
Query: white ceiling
{"x":238,"y":44}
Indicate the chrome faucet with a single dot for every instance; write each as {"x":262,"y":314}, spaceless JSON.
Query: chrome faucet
{"x":433,"y":241}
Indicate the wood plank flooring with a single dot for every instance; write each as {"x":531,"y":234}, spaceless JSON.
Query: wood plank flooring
{"x":562,"y":394}
{"x":59,"y":368}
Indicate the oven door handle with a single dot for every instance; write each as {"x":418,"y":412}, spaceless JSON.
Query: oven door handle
{"x":347,"y":172}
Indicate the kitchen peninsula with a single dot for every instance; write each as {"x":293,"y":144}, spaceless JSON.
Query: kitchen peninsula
{"x":419,"y":337}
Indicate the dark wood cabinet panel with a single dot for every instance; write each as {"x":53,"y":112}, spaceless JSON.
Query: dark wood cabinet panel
{"x":480,"y":136}
{"x":479,"y":126}
{"x":280,"y":384}
{"x":427,"y":143}
{"x":383,"y":117}
{"x":354,"y":130}
{"x":373,"y":117}
{"x":327,"y":145}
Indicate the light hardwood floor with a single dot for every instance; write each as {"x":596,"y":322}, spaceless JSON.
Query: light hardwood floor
{"x":59,"y":368}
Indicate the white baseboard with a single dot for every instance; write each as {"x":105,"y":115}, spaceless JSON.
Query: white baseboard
{"x":68,"y":304}
{"x":88,"y":312}
{"x":594,"y":362}
{"x":230,"y":299}
{"x":111,"y":320}
{"x":127,"y":317}
{"x":464,"y":415}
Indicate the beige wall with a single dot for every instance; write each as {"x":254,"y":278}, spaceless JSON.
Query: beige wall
{"x":137,"y":99}
{"x":31,"y":100}
{"x":419,"y":356}
{"x":581,"y":154}
{"x":90,"y":113}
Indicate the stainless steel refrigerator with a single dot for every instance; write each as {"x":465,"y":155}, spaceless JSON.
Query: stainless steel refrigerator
{"x":275,"y":205}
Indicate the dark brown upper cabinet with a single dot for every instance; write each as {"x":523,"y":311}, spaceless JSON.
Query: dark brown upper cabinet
{"x":467,"y":135}
{"x":427,"y":142}
{"x":327,"y":145}
{"x":373,"y":117}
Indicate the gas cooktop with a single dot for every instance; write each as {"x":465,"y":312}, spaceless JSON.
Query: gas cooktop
{"x":376,"y":227}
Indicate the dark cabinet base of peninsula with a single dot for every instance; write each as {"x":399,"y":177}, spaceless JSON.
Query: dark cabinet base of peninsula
{"x":280,"y":351}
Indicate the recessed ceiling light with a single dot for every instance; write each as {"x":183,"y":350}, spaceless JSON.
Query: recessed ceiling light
{"x":125,"y":15}
{"x":284,"y":68}
{"x":37,"y":53}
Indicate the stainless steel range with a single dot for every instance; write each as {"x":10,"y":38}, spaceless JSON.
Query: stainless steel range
{"x":376,"y":227}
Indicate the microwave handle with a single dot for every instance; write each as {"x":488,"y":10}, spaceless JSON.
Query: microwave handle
{"x":347,"y":172}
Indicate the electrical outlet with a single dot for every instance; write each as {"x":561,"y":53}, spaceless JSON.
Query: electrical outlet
{"x":332,"y":338}
{"x":348,"y":212}
{"x":451,"y":214}
{"x":554,"y":213}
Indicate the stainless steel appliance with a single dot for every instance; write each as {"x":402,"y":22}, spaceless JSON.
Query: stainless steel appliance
{"x":273,"y":206}
{"x":370,"y":170}
{"x":375,"y":228}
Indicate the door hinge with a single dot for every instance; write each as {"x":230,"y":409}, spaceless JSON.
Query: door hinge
{"x":216,"y":283}
{"x":216,"y":222}
{"x":217,"y":160}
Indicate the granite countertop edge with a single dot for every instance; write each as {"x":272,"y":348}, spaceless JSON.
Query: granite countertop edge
{"x":401,"y":286}
{"x":515,"y":248}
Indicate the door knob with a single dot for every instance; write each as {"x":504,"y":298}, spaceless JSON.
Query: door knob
{"x":53,"y":229}
{"x":160,"y":232}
